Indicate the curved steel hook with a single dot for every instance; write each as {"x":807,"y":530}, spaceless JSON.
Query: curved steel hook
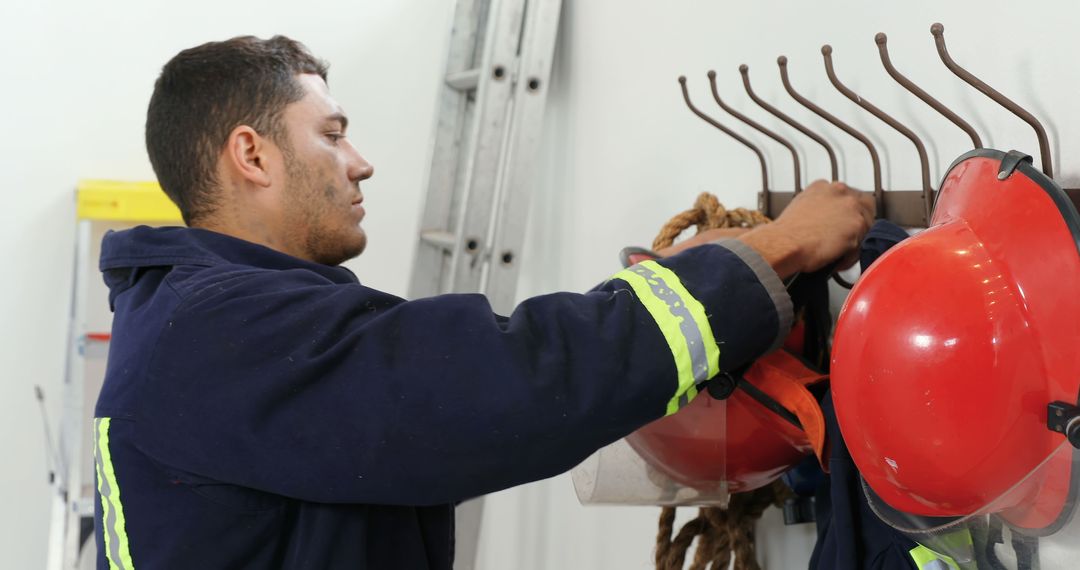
{"x":744,"y":70}
{"x":928,"y":197}
{"x":879,"y":193}
{"x":758,"y":127}
{"x":732,"y":134}
{"x":881,"y":39}
{"x":938,"y":31}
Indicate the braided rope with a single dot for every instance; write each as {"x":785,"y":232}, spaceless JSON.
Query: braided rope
{"x":723,"y":535}
{"x":708,"y":213}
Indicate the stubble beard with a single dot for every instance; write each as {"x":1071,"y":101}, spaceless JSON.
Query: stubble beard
{"x":314,"y":211}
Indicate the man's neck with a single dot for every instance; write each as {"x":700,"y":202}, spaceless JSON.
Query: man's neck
{"x":248,"y":228}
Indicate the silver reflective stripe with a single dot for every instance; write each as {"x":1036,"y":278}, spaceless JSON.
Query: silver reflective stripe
{"x":936,"y":565}
{"x":687,"y":325}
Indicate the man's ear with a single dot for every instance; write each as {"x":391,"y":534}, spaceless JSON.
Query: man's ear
{"x":246,"y":154}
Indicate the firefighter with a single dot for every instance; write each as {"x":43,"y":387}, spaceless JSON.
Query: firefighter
{"x":264,"y":409}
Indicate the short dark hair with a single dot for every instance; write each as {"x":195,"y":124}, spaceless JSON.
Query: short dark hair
{"x":207,"y":91}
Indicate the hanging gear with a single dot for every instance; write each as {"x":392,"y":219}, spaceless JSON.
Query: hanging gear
{"x":956,"y":373}
{"x":768,"y":421}
{"x":753,"y":427}
{"x":757,"y":424}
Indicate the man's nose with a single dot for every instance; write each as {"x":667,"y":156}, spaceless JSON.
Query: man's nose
{"x":359,"y":167}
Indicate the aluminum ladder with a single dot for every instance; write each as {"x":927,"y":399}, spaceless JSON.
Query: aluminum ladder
{"x":489,"y":124}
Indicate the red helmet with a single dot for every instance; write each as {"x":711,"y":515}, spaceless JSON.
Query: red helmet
{"x":765,"y":422}
{"x":953,"y":346}
{"x":738,"y":443}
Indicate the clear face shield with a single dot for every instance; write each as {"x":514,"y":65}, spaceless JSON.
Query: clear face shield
{"x":1032,"y":526}
{"x":734,"y":437}
{"x":654,"y":469}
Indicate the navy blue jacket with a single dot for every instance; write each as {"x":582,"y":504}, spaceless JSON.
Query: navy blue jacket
{"x":261,"y":411}
{"x":850,"y":535}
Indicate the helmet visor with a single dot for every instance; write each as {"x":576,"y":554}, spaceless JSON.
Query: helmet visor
{"x":664,"y":469}
{"x":1034,"y":525}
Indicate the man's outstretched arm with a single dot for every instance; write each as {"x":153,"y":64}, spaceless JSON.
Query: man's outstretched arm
{"x":337,"y":393}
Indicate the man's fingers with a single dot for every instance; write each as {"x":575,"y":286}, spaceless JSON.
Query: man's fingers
{"x":828,"y":221}
{"x":848,"y":260}
{"x":869,"y":206}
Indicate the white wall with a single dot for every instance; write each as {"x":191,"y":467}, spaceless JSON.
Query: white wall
{"x":622,"y":154}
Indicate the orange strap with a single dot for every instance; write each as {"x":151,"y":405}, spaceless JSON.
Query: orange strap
{"x":785,"y":379}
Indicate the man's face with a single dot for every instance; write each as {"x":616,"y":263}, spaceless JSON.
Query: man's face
{"x":321,"y":201}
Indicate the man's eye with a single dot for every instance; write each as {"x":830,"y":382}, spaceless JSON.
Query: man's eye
{"x":334,"y":137}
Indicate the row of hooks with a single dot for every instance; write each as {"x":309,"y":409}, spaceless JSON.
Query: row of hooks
{"x":903,"y":207}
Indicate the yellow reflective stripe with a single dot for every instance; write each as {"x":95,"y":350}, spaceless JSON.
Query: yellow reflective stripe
{"x":682,"y":321}
{"x":105,"y":513}
{"x":114,"y":527}
{"x":697,"y":311}
{"x":669,"y":328}
{"x":927,"y":559}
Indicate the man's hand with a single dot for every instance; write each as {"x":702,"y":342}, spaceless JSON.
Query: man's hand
{"x":825,"y":222}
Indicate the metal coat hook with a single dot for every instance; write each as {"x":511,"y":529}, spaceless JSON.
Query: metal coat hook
{"x":938,"y":31}
{"x":879,"y":193}
{"x":881,"y":39}
{"x":734,"y":135}
{"x":826,"y":51}
{"x":905,"y":207}
{"x":745,"y":71}
{"x":758,"y":127}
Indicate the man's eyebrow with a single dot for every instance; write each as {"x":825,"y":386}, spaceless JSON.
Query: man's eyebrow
{"x":340,"y":118}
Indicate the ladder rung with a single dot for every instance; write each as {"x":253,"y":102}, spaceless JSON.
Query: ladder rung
{"x":464,"y":80}
{"x":439,"y":238}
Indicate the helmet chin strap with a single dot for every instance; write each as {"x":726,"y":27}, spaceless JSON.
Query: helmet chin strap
{"x":724,"y":384}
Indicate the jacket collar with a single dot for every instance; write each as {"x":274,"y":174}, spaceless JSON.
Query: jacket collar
{"x":145,"y":246}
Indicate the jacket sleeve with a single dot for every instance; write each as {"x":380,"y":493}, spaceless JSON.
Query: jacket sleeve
{"x":283,"y":382}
